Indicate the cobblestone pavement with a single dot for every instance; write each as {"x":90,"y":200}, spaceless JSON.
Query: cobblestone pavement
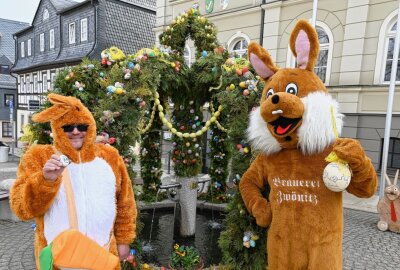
{"x":364,"y":247}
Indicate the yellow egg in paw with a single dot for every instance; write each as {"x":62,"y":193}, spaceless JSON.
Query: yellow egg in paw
{"x":337,"y":176}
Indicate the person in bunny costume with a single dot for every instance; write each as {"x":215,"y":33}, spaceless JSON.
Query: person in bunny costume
{"x":104,"y":199}
{"x":294,"y":133}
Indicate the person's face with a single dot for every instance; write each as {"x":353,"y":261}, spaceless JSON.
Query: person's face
{"x":76,"y":134}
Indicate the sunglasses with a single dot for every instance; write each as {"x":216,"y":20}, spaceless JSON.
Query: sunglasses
{"x":80,"y":127}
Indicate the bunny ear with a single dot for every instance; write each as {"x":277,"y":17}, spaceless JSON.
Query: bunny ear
{"x":388,"y":180}
{"x":304,"y":45}
{"x":396,"y":178}
{"x":50,"y":114}
{"x":261,"y":61}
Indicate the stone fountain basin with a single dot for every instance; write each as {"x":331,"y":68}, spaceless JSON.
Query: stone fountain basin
{"x":165,"y":232}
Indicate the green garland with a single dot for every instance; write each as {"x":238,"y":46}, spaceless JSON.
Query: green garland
{"x":219,"y":158}
{"x":241,"y":95}
{"x":150,"y":161}
{"x":190,"y":24}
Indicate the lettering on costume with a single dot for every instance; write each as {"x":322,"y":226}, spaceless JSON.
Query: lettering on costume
{"x":286,"y":194}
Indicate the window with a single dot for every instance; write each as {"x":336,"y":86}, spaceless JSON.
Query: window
{"x":240,"y":48}
{"x":45,"y":14}
{"x":187,"y":56}
{"x":7,"y":129}
{"x":84,"y":30}
{"x":44,"y":83}
{"x":53,"y":79}
{"x":4,"y":69}
{"x":22,"y":121}
{"x":322,"y":61}
{"x":35,"y":84}
{"x":22,"y":85}
{"x":389,"y":54}
{"x":7,"y":99}
{"x":41,"y":42}
{"x":71,"y":33}
{"x":393,"y":161}
{"x":22,"y":49}
{"x":29,"y":47}
{"x":28,"y":84}
{"x":51,"y":34}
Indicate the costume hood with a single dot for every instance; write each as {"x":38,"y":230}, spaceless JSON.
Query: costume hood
{"x":68,"y":111}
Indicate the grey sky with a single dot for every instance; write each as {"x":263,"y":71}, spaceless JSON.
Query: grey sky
{"x":18,"y":10}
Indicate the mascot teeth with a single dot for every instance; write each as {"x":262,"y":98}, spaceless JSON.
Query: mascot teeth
{"x":277,"y":112}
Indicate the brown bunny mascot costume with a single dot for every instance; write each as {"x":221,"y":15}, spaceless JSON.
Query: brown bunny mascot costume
{"x":104,"y":200}
{"x":294,"y":133}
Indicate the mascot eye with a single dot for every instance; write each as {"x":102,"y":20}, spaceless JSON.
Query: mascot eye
{"x":291,"y":88}
{"x":269,"y":93}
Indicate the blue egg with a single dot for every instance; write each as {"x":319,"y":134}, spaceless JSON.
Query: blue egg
{"x":252,"y":243}
{"x":131,"y":65}
{"x":204,"y":54}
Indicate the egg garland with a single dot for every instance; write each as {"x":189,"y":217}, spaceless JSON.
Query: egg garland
{"x":150,"y":123}
{"x":220,"y":127}
{"x":178,"y":133}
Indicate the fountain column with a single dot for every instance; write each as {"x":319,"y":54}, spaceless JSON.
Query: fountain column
{"x":188,"y":203}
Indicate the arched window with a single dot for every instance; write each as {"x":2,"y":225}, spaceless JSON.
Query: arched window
{"x":45,"y":14}
{"x":187,"y":55}
{"x":389,"y":51}
{"x":240,"y":48}
{"x":238,"y":43}
{"x":322,"y":62}
{"x":384,"y":54}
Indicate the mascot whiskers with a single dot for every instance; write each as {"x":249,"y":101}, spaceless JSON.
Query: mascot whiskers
{"x":294,"y":132}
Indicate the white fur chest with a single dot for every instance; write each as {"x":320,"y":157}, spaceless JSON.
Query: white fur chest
{"x":94,"y":187}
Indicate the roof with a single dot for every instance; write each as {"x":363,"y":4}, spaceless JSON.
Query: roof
{"x":117,"y":23}
{"x":60,"y":5}
{"x":150,"y":4}
{"x":7,"y":42}
{"x":4,"y":61}
{"x":8,"y":81}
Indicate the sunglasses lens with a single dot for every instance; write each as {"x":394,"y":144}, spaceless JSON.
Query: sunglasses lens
{"x":68,"y":128}
{"x":82,"y":127}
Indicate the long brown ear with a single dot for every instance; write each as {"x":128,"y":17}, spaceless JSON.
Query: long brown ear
{"x":50,"y":114}
{"x":261,"y":61}
{"x":304,"y":45}
{"x":64,"y":100}
{"x":61,"y":105}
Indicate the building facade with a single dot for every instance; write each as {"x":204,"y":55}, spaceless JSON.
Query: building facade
{"x":63,"y":32}
{"x":357,"y":40}
{"x":8,"y":83}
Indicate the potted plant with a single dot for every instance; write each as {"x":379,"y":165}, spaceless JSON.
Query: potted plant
{"x":185,"y":258}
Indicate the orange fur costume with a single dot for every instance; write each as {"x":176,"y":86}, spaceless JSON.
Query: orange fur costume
{"x":294,"y":133}
{"x":103,"y":192}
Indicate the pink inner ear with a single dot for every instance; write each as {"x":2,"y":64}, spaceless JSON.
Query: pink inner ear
{"x":260,"y":67}
{"x":302,"y":47}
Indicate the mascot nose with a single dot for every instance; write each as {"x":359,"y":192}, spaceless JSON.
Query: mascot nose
{"x":275,"y":99}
